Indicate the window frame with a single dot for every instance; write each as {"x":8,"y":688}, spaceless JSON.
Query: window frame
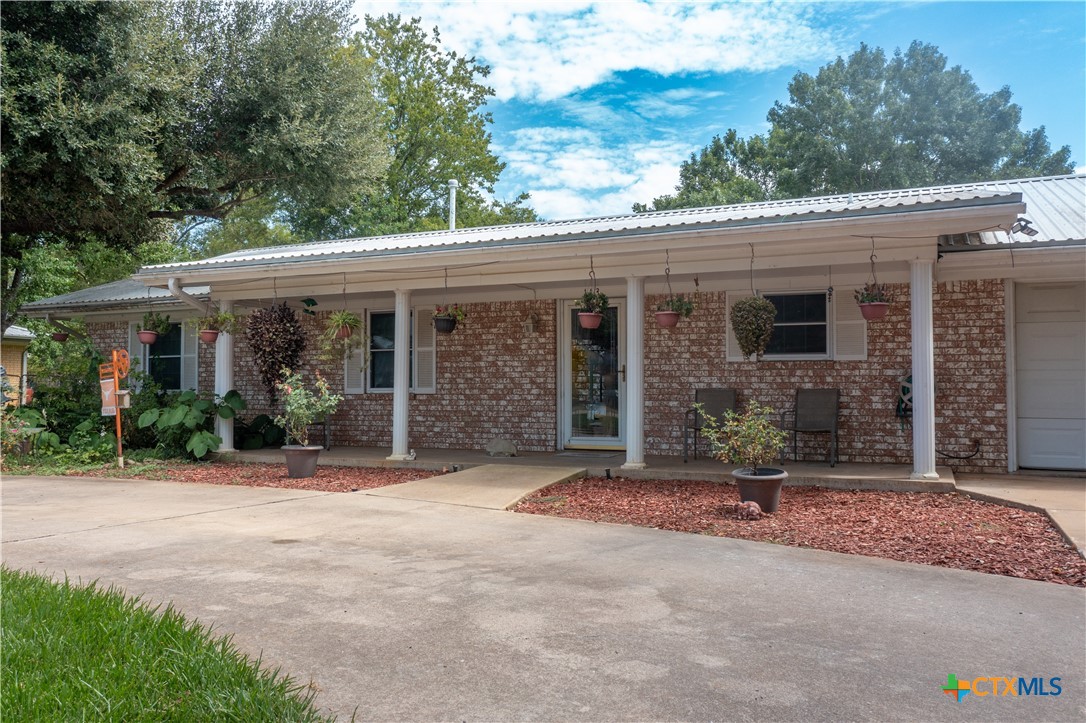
{"x":369,"y":351}
{"x":828,"y":323}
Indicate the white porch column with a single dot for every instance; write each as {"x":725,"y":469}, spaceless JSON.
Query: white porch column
{"x":923,"y":343}
{"x":635,"y":373}
{"x":224,"y":381}
{"x":401,"y":376}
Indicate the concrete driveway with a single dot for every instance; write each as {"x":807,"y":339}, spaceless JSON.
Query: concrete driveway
{"x":407,"y":610}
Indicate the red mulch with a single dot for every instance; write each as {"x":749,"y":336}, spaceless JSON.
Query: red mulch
{"x":327,"y":479}
{"x":948,"y":530}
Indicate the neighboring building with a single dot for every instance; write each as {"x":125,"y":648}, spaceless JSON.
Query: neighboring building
{"x":13,"y":358}
{"x":989,"y":321}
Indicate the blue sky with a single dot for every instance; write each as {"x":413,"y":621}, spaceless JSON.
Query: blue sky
{"x":598,"y":103}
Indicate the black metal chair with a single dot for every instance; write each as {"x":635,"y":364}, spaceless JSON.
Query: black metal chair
{"x":814,"y":412}
{"x":716,"y":403}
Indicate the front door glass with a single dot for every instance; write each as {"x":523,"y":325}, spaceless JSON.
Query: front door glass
{"x":594,"y":384}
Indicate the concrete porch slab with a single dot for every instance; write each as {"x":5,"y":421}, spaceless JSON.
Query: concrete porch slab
{"x":489,"y":486}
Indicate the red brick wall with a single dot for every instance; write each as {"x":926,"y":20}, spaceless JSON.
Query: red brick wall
{"x":495,"y":380}
{"x":108,"y":335}
{"x":971,"y":396}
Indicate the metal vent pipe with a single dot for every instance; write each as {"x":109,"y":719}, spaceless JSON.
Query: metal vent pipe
{"x":452,"y":204}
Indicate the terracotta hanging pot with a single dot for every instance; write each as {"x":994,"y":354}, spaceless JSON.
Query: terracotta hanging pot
{"x":873,"y":310}
{"x":589,"y":319}
{"x":147,"y":337}
{"x":667,"y":319}
{"x":209,"y":336}
{"x":343,"y":332}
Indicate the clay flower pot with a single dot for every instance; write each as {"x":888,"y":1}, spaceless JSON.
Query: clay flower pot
{"x":147,"y":337}
{"x":873,"y":310}
{"x":589,"y":319}
{"x":209,"y":336}
{"x":343,"y":332}
{"x":667,"y":319}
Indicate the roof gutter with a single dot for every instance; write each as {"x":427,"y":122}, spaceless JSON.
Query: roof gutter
{"x":173,"y":285}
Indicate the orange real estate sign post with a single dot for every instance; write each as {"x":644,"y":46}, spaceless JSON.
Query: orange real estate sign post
{"x":110,"y":376}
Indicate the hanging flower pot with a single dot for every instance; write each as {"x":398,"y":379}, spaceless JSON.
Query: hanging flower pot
{"x":343,"y":332}
{"x":873,"y":310}
{"x":446,"y":317}
{"x":589,"y":319}
{"x":667,"y":319}
{"x":61,"y":336}
{"x":209,"y":336}
{"x":147,"y":337}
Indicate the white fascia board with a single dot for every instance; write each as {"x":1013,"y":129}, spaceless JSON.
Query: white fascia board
{"x":1028,"y":263}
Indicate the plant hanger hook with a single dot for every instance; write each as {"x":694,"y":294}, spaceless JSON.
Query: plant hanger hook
{"x":667,"y":273}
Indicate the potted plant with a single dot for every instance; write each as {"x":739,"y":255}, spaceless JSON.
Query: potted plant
{"x":446,"y":317}
{"x":301,"y":407}
{"x":874,"y":301}
{"x":752,"y":322}
{"x":154,"y":325}
{"x":338,"y":339}
{"x":750,"y":439}
{"x":592,"y":304}
{"x":671,"y":309}
{"x":212,"y":325}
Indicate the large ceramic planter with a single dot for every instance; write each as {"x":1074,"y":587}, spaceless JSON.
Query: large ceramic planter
{"x":763,"y":488}
{"x":667,"y":319}
{"x":147,"y":337}
{"x":874,"y":310}
{"x":589,"y":319}
{"x":209,"y":336}
{"x":301,"y":461}
{"x":444,"y":324}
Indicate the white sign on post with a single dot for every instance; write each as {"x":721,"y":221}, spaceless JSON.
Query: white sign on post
{"x":109,"y":397}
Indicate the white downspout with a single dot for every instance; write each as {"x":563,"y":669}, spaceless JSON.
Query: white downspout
{"x":174,"y":287}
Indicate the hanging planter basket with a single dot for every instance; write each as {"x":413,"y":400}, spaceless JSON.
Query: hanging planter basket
{"x":344,"y":332}
{"x":61,"y":336}
{"x":667,"y":319}
{"x":209,"y":336}
{"x":445,"y":324}
{"x":589,"y":319}
{"x":874,"y":310}
{"x":147,"y":337}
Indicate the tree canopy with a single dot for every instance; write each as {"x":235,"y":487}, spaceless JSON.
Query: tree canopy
{"x":871,"y":123}
{"x":436,"y":130}
{"x":120,"y":116}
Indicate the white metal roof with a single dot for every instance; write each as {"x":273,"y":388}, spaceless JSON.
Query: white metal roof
{"x":125,"y":293}
{"x":18,"y":333}
{"x":748,"y":214}
{"x":1055,"y":208}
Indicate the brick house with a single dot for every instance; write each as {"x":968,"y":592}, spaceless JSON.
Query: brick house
{"x":989,"y":320}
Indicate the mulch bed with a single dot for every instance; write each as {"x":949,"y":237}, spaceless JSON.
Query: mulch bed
{"x":948,"y":530}
{"x":327,"y":479}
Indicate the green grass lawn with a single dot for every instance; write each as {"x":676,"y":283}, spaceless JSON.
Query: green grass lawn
{"x":75,"y":652}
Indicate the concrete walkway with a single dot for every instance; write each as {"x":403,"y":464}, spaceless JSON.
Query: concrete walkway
{"x":403,"y":610}
{"x":490,"y":486}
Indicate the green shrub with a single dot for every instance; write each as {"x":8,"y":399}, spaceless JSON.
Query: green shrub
{"x":186,"y":425}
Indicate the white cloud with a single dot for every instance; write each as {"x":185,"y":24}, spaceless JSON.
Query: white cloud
{"x":541,"y":51}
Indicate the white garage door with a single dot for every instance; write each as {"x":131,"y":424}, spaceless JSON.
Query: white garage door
{"x":1050,"y":340}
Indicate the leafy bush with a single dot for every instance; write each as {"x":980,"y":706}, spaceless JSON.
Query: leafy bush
{"x":69,"y":392}
{"x":186,"y":425}
{"x":750,"y":439}
{"x":259,"y":433}
{"x":302,"y":407}
{"x":752,"y":322}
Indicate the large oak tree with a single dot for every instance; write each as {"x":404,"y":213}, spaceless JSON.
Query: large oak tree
{"x":119,"y":117}
{"x":869,"y":123}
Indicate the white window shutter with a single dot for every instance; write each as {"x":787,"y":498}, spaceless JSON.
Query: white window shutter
{"x":849,"y":328}
{"x":733,"y":353}
{"x":190,"y":360}
{"x":354,"y":364}
{"x":137,"y":352}
{"x":425,"y":353}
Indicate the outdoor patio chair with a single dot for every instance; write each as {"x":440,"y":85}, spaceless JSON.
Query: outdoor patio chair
{"x":715,"y":402}
{"x":326,"y":430}
{"x":813,"y":412}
